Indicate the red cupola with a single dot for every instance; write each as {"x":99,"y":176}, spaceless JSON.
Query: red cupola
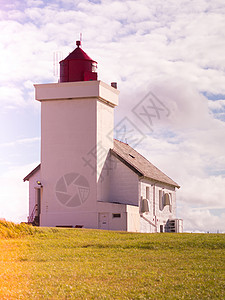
{"x":78,"y":66}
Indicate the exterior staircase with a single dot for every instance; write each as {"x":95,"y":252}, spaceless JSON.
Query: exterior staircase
{"x":34,"y":218}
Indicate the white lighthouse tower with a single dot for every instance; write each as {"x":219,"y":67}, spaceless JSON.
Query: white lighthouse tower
{"x":76,"y":135}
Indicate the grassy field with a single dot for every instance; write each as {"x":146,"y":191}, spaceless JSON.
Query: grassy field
{"x":54,"y":263}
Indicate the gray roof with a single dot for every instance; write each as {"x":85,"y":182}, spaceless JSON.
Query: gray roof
{"x":139,"y":164}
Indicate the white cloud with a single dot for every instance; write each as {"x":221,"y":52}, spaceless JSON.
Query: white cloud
{"x":20,"y":142}
{"x":199,"y":192}
{"x":11,"y":95}
{"x":202,"y":220}
{"x":35,"y":2}
{"x":218,"y":105}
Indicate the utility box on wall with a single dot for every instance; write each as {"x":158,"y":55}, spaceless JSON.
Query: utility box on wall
{"x":174,"y":225}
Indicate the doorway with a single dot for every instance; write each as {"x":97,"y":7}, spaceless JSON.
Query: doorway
{"x":103,"y":220}
{"x":36,"y":220}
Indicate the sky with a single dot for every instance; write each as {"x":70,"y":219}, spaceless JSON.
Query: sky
{"x":168,"y":60}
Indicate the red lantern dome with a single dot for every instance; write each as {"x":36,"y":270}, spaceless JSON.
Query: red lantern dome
{"x":78,"y":66}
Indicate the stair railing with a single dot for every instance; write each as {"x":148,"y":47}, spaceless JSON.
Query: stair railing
{"x":32,"y":215}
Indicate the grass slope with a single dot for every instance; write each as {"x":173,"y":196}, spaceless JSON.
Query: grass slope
{"x":54,"y":263}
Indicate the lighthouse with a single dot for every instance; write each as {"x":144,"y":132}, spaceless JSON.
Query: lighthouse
{"x":87,"y":178}
{"x":77,"y":118}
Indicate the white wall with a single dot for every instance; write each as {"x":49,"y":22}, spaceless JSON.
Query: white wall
{"x":105,"y":124}
{"x":157,"y":216}
{"x":128,"y":220}
{"x":68,"y":135}
{"x":124,"y":184}
{"x":133,"y":219}
{"x":73,"y":118}
{"x":109,"y":210}
{"x":32,"y":192}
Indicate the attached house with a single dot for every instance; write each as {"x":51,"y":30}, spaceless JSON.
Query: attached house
{"x":87,"y":178}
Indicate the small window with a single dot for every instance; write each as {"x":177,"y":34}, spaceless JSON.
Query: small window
{"x":147,"y":193}
{"x":144,"y":205}
{"x":160,"y":200}
{"x":94,"y":67}
{"x":170,"y":207}
{"x":132,"y":156}
{"x":116,"y":215}
{"x":166,"y":199}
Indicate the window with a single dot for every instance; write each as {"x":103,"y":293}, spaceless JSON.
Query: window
{"x":170,"y":207}
{"x":160,"y":200}
{"x":116,"y":215}
{"x":147,"y":193}
{"x":94,"y":67}
{"x":144,"y":205}
{"x":166,"y":199}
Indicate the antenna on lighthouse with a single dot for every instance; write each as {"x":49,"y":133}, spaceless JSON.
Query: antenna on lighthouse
{"x":57,"y":57}
{"x":80,"y":38}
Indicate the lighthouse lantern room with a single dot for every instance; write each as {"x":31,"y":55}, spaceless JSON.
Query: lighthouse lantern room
{"x":78,"y":66}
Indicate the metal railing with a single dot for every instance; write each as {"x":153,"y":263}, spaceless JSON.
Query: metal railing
{"x":32,"y":215}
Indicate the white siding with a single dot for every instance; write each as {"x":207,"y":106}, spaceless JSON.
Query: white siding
{"x":158,"y":214}
{"x":123,"y":184}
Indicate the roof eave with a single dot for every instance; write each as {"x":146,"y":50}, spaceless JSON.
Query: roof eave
{"x":164,"y":182}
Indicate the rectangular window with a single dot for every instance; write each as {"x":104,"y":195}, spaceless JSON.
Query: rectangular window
{"x":116,"y":215}
{"x":171,"y":202}
{"x":160,"y":200}
{"x":147,"y":193}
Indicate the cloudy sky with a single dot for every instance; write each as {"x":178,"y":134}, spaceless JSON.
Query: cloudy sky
{"x":168,"y":52}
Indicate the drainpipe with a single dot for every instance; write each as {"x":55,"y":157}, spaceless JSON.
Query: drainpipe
{"x":154,"y":208}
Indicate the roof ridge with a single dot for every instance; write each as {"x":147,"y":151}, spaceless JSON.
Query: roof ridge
{"x":122,"y":142}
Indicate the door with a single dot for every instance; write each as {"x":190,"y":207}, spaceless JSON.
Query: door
{"x":103,"y":220}
{"x":36,"y":220}
{"x":38,"y":202}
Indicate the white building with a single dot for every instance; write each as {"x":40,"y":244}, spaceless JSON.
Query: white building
{"x":86,"y":178}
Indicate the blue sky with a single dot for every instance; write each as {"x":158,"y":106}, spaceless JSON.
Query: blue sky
{"x":173,"y":49}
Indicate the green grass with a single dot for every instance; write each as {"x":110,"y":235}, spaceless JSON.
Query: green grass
{"x":54,"y":263}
